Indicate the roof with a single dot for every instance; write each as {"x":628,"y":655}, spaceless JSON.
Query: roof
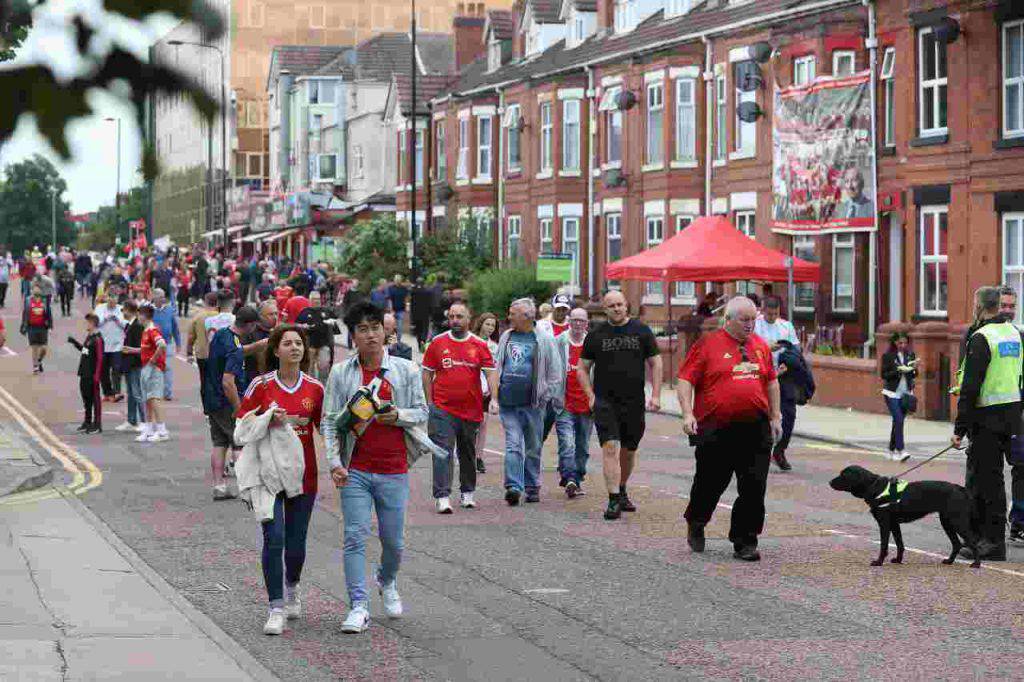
{"x":546,"y":11}
{"x":388,"y":53}
{"x":649,"y":33}
{"x":303,"y":60}
{"x":501,"y":23}
{"x":427,"y":88}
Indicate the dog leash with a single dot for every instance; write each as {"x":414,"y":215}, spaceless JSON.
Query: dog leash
{"x":921,"y":464}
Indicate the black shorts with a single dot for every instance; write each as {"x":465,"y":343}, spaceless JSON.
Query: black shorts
{"x":622,"y":422}
{"x":38,"y":336}
{"x":222,"y":428}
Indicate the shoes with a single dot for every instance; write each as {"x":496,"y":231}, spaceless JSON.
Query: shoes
{"x":512,"y":497}
{"x":562,"y":482}
{"x":143,"y":436}
{"x":614,"y":509}
{"x":40,"y":368}
{"x":986,"y":550}
{"x":275,"y":623}
{"x":37,"y":369}
{"x":626,"y":503}
{"x":94,"y":428}
{"x":899,"y":455}
{"x":126,"y":426}
{"x":571,"y":489}
{"x":292,"y":604}
{"x":357,"y":621}
{"x":83,"y":427}
{"x":747,"y":553}
{"x":532,"y":497}
{"x":443,"y":505}
{"x":695,"y":536}
{"x":466,"y":501}
{"x":117,"y":398}
{"x":480,"y":468}
{"x":159,"y":437}
{"x":1016,"y":534}
{"x":222,"y":492}
{"x":780,"y":460}
{"x":392,"y":602}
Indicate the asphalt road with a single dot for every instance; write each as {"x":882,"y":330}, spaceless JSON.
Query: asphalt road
{"x":552,"y":591}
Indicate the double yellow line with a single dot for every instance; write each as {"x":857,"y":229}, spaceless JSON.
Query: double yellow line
{"x":85,"y":474}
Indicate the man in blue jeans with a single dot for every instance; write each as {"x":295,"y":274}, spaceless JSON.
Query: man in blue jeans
{"x":575,"y":422}
{"x":530,"y":374}
{"x":369,"y":459}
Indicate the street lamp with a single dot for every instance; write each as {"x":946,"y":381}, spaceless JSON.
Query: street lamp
{"x":53,"y":217}
{"x":117,"y":192}
{"x":223,"y":137}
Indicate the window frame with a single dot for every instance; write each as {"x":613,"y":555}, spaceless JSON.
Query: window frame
{"x":1017,"y":81}
{"x":889,"y":96}
{"x":403,"y":158}
{"x":845,"y":242}
{"x":570,"y":137}
{"x":744,"y":134}
{"x":484,"y":146}
{"x":546,"y":139}
{"x":511,"y":121}
{"x":721,"y":118}
{"x":514,"y":236}
{"x":654,"y":112}
{"x":795,"y":253}
{"x":680,"y":290}
{"x":566,"y":240}
{"x":441,"y":149}
{"x":546,"y":230}
{"x":940,"y":259}
{"x":613,"y":115}
{"x":419,"y":140}
{"x":838,"y":56}
{"x":809,"y":62}
{"x":1017,"y":269}
{"x":610,"y":236}
{"x":683,"y":155}
{"x":746,"y":216}
{"x":654,"y":292}
{"x":931,"y":84}
{"x":319,"y":168}
{"x":462,"y":160}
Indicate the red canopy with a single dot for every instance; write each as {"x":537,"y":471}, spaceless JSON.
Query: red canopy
{"x":710,"y":250}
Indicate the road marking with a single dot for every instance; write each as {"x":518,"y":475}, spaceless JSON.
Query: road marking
{"x":546,"y":590}
{"x":494,"y":452}
{"x":8,"y":352}
{"x":85,"y":474}
{"x":924,"y":552}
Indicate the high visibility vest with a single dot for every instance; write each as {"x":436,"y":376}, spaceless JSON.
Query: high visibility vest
{"x":1003,"y":378}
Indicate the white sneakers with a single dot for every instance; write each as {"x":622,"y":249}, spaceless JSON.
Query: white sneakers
{"x":144,"y":435}
{"x":275,"y":623}
{"x":357,"y":621}
{"x":127,"y":426}
{"x":899,"y":455}
{"x":159,"y":437}
{"x":292,"y":604}
{"x":443,"y":505}
{"x":392,"y":602}
{"x":466,"y":501}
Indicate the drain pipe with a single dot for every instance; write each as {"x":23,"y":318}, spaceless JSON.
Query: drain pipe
{"x":872,"y":44}
{"x":591,"y":131}
{"x":709,"y":100}
{"x":499,"y":219}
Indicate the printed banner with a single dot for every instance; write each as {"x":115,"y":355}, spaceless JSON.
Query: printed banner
{"x":822,"y":179}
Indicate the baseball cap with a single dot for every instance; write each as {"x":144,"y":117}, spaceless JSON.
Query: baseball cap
{"x":246,"y":314}
{"x":561,"y":301}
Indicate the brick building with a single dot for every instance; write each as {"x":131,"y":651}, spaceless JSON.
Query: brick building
{"x":606,"y":127}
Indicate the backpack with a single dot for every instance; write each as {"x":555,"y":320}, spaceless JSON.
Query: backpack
{"x":798,"y":373}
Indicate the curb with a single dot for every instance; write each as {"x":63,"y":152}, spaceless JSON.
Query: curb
{"x":42,"y":477}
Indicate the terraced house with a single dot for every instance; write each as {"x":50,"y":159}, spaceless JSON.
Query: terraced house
{"x":602,"y":128}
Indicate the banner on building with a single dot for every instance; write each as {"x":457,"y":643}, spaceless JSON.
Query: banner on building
{"x":823,"y":154}
{"x":554,"y":267}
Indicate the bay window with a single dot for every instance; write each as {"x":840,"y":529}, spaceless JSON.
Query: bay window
{"x":546,"y":137}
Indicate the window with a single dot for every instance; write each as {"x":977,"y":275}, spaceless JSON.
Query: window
{"x":686,"y":120}
{"x":403,"y":157}
{"x":358,"y":160}
{"x":546,"y":137}
{"x":684,"y":290}
{"x":721,"y":106}
{"x":889,"y":97}
{"x":515,"y":227}
{"x":1013,"y":79}
{"x":512,"y":126}
{"x":249,"y":164}
{"x":419,"y":155}
{"x":744,"y":221}
{"x":253,"y":112}
{"x":655,"y":122}
{"x":746,"y":144}
{"x":321,"y":92}
{"x":842,"y":272}
{"x":571,"y":245}
{"x":932,"y":83}
{"x":316,"y":131}
{"x":1013,"y":255}
{"x":317,"y":16}
{"x":442,"y":150}
{"x":613,"y":234}
{"x":547,"y":241}
{"x":655,"y":235}
{"x":483,"y":147}
{"x":612,"y":125}
{"x":462,"y":171}
{"x":843,"y":63}
{"x":571,"y":135}
{"x":804,"y":69}
{"x":625,"y":15}
{"x":933,"y":259}
{"x":327,"y":167}
{"x":257,"y":12}
{"x":805,"y":292}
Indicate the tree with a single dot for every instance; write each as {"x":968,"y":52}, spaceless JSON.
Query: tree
{"x":102,"y":232}
{"x":25,"y":205}
{"x":375,"y":249}
{"x":456,"y":252}
{"x":491,"y":291}
{"x":108,"y":65}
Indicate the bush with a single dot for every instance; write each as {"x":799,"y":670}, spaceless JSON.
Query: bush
{"x":375,"y":250}
{"x":455,"y":252}
{"x":491,"y":291}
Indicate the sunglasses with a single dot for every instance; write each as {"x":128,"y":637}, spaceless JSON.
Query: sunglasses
{"x":743,"y":353}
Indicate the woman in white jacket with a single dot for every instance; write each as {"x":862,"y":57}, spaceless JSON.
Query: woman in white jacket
{"x":297,"y":400}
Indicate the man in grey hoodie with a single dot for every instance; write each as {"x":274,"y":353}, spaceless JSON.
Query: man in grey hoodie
{"x":531,"y":373}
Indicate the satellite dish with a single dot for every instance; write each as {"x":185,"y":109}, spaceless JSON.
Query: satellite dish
{"x":748,"y":76}
{"x":749,"y":112}
{"x":760,"y":52}
{"x":947,"y":30}
{"x":613,"y":177}
{"x":625,"y":100}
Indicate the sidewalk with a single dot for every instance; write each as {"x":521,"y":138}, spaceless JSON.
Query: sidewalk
{"x":21,"y":467}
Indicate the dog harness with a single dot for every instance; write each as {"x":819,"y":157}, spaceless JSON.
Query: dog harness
{"x":890,"y":495}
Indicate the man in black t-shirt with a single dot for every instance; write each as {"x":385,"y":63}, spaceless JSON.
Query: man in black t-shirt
{"x":620,"y":351}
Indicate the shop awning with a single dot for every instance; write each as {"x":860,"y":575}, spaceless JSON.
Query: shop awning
{"x":283,"y":235}
{"x":210,"y":234}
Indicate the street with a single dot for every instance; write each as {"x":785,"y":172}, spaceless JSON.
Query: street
{"x":548,"y":591}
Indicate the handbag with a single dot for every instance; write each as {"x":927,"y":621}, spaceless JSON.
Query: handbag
{"x":908,"y":401}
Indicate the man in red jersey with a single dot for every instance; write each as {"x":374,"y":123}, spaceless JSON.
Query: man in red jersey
{"x":282,"y":293}
{"x":451,"y":384}
{"x":729,"y":398}
{"x":294,"y":306}
{"x":575,"y":422}
{"x":36,"y":324}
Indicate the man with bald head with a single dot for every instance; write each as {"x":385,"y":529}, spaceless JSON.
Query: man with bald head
{"x":729,"y":398}
{"x":620,"y":351}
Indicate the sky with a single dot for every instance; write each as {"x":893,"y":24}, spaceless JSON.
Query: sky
{"x":91,"y":173}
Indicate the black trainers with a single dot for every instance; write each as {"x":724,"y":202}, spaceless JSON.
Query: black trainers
{"x":83,"y":427}
{"x":626,"y":503}
{"x":480,"y":468}
{"x":571,"y":489}
{"x":781,"y":461}
{"x":532,"y":497}
{"x":747,"y":553}
{"x":695,"y":536}
{"x":614,"y":509}
{"x":512,"y":497}
{"x":94,"y":428}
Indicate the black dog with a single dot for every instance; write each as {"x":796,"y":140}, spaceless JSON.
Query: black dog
{"x":894,"y":503}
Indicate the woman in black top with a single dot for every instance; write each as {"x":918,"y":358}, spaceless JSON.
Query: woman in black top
{"x":899,"y":368}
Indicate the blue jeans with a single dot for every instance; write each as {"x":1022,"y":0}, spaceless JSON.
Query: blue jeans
{"x":136,"y":405}
{"x":168,"y":376}
{"x":452,"y":434}
{"x":573,"y":445}
{"x":895,"y":406}
{"x":388,"y":493}
{"x":523,"y":427}
{"x":286,"y":534}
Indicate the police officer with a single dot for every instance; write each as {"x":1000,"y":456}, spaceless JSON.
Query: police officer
{"x":989,"y":413}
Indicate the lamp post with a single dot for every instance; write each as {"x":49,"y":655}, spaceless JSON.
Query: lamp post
{"x":117,"y":192}
{"x":53,"y":218}
{"x":411,"y":142}
{"x":223,"y":137}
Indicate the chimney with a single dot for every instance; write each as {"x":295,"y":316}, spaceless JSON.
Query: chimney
{"x":606,"y":14}
{"x":468,"y":30}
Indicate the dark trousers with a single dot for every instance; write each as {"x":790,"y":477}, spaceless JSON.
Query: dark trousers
{"x":110,"y":377}
{"x":284,"y":537}
{"x":65,"y":302}
{"x":895,"y":406}
{"x":421,"y":328}
{"x":183,"y":303}
{"x":743,"y":449}
{"x":985,"y":484}
{"x":1017,"y":493}
{"x":91,"y":402}
{"x":788,"y":407}
{"x":3,"y":294}
{"x":201,"y":364}
{"x":452,"y":434}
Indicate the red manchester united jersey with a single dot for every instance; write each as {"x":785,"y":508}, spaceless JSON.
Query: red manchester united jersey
{"x":456,"y":365}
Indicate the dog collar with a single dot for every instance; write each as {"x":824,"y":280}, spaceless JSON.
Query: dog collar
{"x":890,"y":495}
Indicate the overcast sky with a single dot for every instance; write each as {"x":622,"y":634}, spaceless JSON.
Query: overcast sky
{"x":92,"y":172}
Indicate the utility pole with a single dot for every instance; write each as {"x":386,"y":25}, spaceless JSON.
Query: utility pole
{"x":53,"y":218}
{"x":411,"y":141}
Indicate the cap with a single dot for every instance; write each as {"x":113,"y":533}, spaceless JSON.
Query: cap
{"x":561,"y":301}
{"x":246,"y":314}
